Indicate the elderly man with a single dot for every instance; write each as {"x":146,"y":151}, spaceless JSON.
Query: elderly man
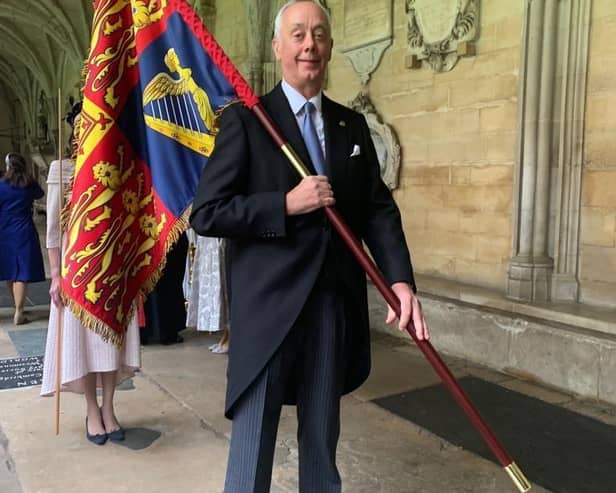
{"x":299,"y":315}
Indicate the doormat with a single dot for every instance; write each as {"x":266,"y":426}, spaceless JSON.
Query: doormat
{"x":556,"y":448}
{"x":21,"y":372}
{"x":29,"y":342}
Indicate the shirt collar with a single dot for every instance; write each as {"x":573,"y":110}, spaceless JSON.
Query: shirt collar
{"x":297,"y":100}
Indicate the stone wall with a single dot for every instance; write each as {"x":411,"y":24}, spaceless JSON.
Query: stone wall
{"x":457,"y":132}
{"x":231,"y":31}
{"x":598,"y":223}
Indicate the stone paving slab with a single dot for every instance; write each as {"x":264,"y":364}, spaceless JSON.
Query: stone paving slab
{"x":7,"y":349}
{"x":8,"y":477}
{"x":394,"y":372}
{"x":187,"y":457}
{"x":193,"y":376}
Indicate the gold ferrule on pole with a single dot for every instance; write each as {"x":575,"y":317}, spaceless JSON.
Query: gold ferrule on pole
{"x":295,"y":160}
{"x":518,"y":478}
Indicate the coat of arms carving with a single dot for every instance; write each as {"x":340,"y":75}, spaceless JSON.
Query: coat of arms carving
{"x":440,"y":31}
{"x":383,"y":137}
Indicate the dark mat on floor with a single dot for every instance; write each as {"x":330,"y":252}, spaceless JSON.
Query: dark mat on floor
{"x":21,"y":372}
{"x":38,"y":294}
{"x":29,"y":342}
{"x":556,"y":448}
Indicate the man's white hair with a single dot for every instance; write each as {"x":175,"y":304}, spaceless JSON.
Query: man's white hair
{"x":278,"y":21}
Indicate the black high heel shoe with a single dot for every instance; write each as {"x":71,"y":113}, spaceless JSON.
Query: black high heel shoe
{"x":99,"y":439}
{"x":116,"y":435}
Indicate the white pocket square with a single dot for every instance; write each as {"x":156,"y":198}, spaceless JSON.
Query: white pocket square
{"x":356,"y":151}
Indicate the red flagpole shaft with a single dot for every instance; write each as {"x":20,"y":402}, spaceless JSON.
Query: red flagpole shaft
{"x":426,"y":347}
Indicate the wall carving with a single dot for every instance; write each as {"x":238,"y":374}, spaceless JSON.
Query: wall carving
{"x":368,"y":32}
{"x":384,"y":138}
{"x":440,"y":31}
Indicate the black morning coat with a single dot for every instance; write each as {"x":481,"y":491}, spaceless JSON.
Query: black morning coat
{"x":274,"y":259}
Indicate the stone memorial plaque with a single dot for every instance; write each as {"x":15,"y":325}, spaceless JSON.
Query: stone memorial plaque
{"x":368,"y":33}
{"x":366,"y":23}
{"x":440,"y":31}
{"x":21,"y":372}
{"x":436,"y":18}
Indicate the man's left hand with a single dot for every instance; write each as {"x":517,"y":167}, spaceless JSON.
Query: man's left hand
{"x":410,"y":311}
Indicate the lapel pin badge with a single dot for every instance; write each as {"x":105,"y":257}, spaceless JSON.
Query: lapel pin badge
{"x":342,"y":123}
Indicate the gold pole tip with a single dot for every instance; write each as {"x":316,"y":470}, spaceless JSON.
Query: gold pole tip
{"x":518,"y":478}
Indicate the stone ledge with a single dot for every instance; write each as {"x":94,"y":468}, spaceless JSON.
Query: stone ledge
{"x":592,"y":318}
{"x":537,"y":343}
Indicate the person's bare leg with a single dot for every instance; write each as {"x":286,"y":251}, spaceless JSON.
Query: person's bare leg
{"x":109,"y":420}
{"x":95,"y":423}
{"x":19,"y":295}
{"x":224,"y":341}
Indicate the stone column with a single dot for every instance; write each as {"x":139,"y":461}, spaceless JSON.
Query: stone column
{"x":259,"y":36}
{"x":544,"y":133}
{"x":528,"y":270}
{"x":565,"y":283}
{"x":551,"y":110}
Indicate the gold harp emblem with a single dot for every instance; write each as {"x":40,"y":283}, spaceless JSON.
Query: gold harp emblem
{"x":179,"y":108}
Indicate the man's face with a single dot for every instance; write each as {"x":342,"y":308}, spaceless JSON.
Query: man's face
{"x":304,"y":47}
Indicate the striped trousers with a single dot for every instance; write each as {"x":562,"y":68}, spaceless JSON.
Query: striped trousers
{"x":311,"y":354}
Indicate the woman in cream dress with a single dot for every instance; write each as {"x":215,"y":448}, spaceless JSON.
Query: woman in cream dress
{"x":88,"y":362}
{"x":207,"y":293}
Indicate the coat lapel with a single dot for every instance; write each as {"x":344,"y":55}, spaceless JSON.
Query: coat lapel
{"x":335,"y":140}
{"x":278,"y":108}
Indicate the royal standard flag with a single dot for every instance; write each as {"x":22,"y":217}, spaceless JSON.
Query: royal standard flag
{"x":153,"y":88}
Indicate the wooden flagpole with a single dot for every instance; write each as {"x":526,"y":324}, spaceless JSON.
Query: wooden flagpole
{"x":59,"y":310}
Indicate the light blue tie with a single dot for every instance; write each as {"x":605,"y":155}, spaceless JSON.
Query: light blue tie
{"x":311,"y":139}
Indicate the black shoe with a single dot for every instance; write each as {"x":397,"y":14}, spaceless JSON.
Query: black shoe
{"x":96,"y":439}
{"x":116,"y":435}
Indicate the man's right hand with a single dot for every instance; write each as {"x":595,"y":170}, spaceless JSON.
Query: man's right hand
{"x":312,"y":193}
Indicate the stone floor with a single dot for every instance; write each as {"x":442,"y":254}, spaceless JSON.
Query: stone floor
{"x":178,"y":438}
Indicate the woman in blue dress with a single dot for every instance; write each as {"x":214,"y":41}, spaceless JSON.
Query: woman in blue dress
{"x":21,"y":260}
